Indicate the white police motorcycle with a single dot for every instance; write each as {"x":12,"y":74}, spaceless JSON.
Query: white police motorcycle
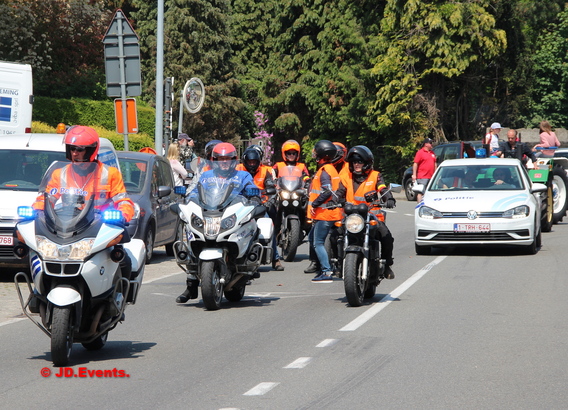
{"x":225,"y":237}
{"x":79,"y":289}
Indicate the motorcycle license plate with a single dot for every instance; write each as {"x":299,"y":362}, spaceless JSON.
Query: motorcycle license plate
{"x":7,"y":240}
{"x":472,"y":228}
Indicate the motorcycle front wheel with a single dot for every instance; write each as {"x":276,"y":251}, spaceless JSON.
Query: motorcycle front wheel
{"x":211,"y":286}
{"x":292,"y":241}
{"x":354,"y":284}
{"x":61,"y":335}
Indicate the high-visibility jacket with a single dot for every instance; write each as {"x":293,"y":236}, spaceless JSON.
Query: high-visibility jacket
{"x":106,"y":180}
{"x":279,"y":167}
{"x":260,"y":176}
{"x":321,"y":213}
{"x":372,"y":183}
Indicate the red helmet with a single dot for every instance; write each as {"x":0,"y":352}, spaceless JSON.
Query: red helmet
{"x":291,"y":145}
{"x":82,"y":137}
{"x":224,"y":152}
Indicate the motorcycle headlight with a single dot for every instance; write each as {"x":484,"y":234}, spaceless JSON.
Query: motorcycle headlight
{"x":517,"y":212}
{"x":212,"y":226}
{"x":429,"y":213}
{"x":295,"y":195}
{"x":354,"y":223}
{"x":229,"y":222}
{"x":74,"y":251}
{"x":285,"y":194}
{"x":196,"y":222}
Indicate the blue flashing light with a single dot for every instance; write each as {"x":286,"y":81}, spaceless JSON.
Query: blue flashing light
{"x":180,"y":190}
{"x":26,"y":212}
{"x":252,"y":192}
{"x":113,"y":216}
{"x":480,"y":153}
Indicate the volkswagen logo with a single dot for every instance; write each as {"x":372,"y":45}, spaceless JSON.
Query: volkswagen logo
{"x":472,"y":215}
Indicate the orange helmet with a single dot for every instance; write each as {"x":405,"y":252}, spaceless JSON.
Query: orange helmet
{"x":341,"y":153}
{"x":291,"y":145}
{"x":84,"y":138}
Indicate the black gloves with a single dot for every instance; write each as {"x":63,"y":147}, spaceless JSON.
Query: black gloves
{"x":391,"y":203}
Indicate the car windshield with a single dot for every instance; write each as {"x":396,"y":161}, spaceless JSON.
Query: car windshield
{"x":477,"y":178}
{"x":22,"y":170}
{"x":134,"y":174}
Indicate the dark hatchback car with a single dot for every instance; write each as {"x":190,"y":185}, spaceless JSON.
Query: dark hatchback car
{"x":450,"y":150}
{"x":149,"y":182}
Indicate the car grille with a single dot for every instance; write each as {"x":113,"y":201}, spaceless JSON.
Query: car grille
{"x":459,"y":236}
{"x":479,"y":215}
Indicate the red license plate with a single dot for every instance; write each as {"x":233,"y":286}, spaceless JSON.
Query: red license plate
{"x":7,"y":240}
{"x":472,"y":228}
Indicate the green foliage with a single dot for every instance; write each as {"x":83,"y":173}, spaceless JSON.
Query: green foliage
{"x":52,"y":111}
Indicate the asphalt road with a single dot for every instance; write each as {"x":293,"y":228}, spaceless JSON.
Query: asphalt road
{"x":468,"y":329}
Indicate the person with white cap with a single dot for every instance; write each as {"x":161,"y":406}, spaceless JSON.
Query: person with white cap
{"x":492,"y":137}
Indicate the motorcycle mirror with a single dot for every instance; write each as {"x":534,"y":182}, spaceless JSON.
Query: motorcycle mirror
{"x":395,"y":188}
{"x":269,"y":191}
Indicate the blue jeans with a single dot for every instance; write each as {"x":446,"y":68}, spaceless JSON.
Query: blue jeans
{"x":318,"y":233}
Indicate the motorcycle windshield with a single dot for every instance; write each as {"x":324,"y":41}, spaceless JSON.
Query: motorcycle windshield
{"x":72,"y":195}
{"x":290,"y":178}
{"x":218,"y":193}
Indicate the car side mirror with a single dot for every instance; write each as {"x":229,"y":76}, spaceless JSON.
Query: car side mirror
{"x":164,"y":190}
{"x":538,"y":187}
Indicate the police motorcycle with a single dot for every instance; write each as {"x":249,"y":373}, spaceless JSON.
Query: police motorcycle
{"x":291,"y":205}
{"x":358,"y":253}
{"x":79,"y":289}
{"x":225,"y":237}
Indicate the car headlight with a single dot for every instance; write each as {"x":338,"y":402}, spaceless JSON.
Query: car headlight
{"x":429,"y":213}
{"x":517,"y":212}
{"x":229,"y":222}
{"x":284,"y":194}
{"x":74,"y":251}
{"x":354,"y":223}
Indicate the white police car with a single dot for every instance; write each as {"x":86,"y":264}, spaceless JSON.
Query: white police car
{"x":489,"y":201}
{"x":23,"y":161}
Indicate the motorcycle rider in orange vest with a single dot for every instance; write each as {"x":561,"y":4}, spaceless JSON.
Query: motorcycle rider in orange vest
{"x":339,"y":160}
{"x":321,"y":205}
{"x":360,"y":179}
{"x":263,"y":176}
{"x":291,"y":157}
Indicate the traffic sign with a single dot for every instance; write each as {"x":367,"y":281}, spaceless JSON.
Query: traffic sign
{"x":122,"y":58}
{"x":131,"y":116}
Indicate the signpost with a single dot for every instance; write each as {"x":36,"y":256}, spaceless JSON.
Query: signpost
{"x":122,"y":65}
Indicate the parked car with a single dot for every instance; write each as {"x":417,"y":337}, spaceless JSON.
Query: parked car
{"x":489,"y":202}
{"x":450,"y":150}
{"x":24,"y":159}
{"x":149,"y":181}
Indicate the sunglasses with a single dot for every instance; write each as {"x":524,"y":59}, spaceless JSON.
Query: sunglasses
{"x":77,"y":149}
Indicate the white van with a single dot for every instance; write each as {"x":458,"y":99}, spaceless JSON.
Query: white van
{"x":16,"y":98}
{"x":23,"y":161}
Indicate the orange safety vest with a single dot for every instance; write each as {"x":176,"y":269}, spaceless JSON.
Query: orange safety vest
{"x":108,"y":179}
{"x":323,"y":214}
{"x":281,"y":166}
{"x":358,"y":197}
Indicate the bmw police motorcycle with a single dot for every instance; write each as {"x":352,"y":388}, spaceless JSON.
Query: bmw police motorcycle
{"x":80,"y":290}
{"x":225,"y":236}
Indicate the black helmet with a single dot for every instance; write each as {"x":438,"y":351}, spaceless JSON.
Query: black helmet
{"x":209,"y":148}
{"x":363,"y":154}
{"x":324,"y":151}
{"x":251,"y":159}
{"x":258,"y":149}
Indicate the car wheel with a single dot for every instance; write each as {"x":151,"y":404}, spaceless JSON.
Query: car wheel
{"x":410,"y":194}
{"x":149,"y":242}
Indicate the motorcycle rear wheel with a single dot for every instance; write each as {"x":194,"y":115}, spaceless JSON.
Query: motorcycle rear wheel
{"x":352,"y":280}
{"x":211,"y":286}
{"x":96,"y":344}
{"x":292,"y":241}
{"x":61,"y":335}
{"x":235,"y":294}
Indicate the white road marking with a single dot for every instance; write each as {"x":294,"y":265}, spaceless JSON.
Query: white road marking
{"x":10,"y":321}
{"x":409,"y":214}
{"x":261,"y":388}
{"x":327,"y":342}
{"x":161,"y":277}
{"x":385,"y":301}
{"x":299,"y":363}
